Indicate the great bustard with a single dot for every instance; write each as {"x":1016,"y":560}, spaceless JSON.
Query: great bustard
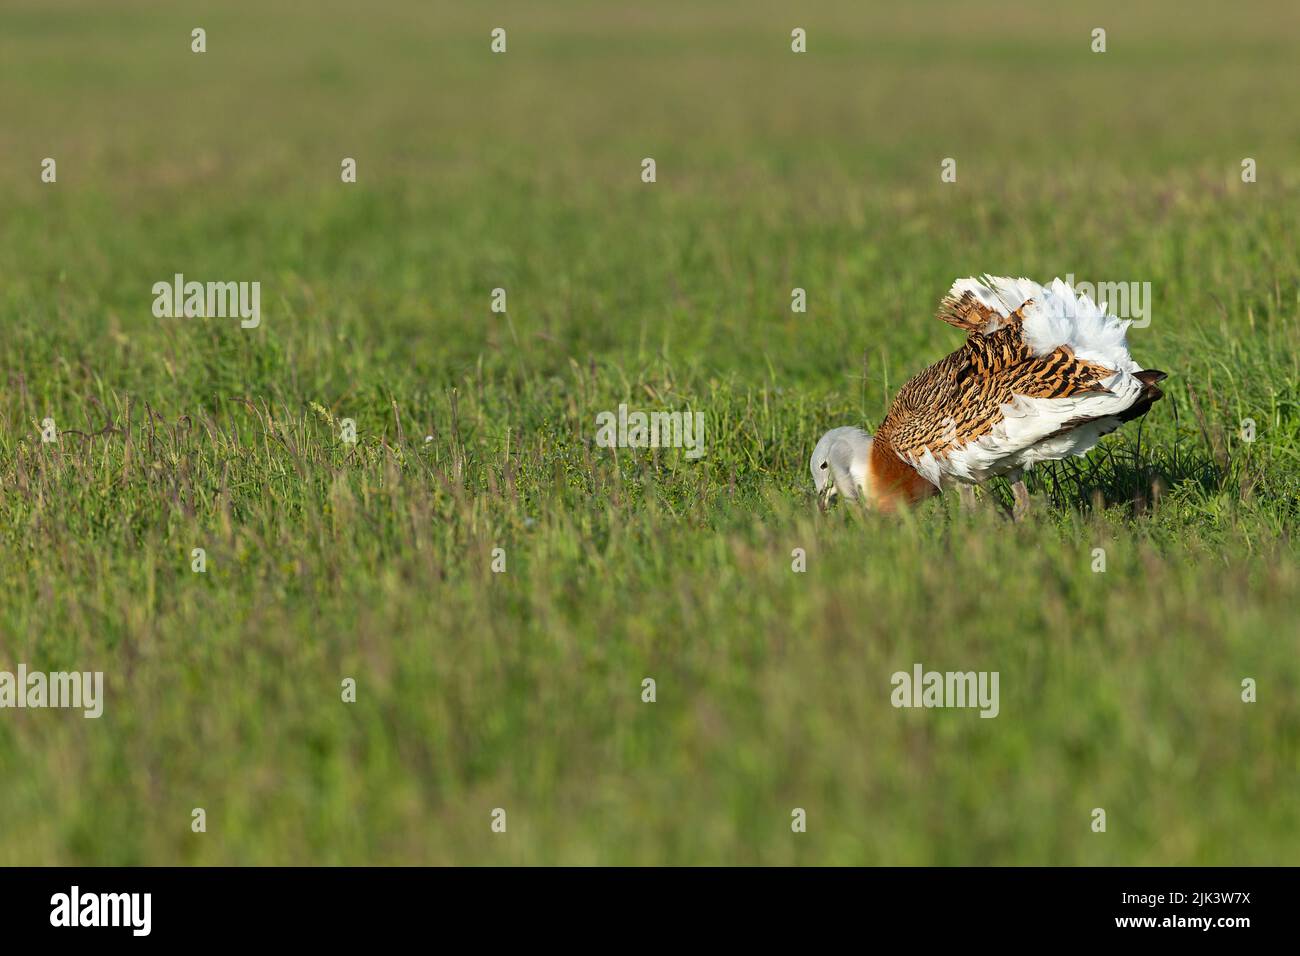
{"x":1044,"y":373}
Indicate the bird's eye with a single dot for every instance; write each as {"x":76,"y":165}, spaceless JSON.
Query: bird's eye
{"x":824,"y":466}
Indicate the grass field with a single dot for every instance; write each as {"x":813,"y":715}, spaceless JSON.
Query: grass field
{"x":522,"y":690}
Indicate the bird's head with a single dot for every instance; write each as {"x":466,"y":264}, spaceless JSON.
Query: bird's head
{"x":839,"y":465}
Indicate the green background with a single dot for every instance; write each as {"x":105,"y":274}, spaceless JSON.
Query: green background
{"x":1119,"y":690}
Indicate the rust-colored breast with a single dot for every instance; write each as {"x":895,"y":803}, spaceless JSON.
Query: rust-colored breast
{"x":892,"y":481}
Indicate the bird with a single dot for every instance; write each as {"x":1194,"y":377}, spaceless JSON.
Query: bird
{"x":1044,"y":373}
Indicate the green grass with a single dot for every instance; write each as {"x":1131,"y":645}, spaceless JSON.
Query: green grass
{"x":522,"y":690}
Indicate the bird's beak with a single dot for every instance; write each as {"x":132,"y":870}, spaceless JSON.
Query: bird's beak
{"x":826,"y":496}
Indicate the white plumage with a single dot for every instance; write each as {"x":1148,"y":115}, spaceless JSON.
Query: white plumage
{"x":1030,"y":428}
